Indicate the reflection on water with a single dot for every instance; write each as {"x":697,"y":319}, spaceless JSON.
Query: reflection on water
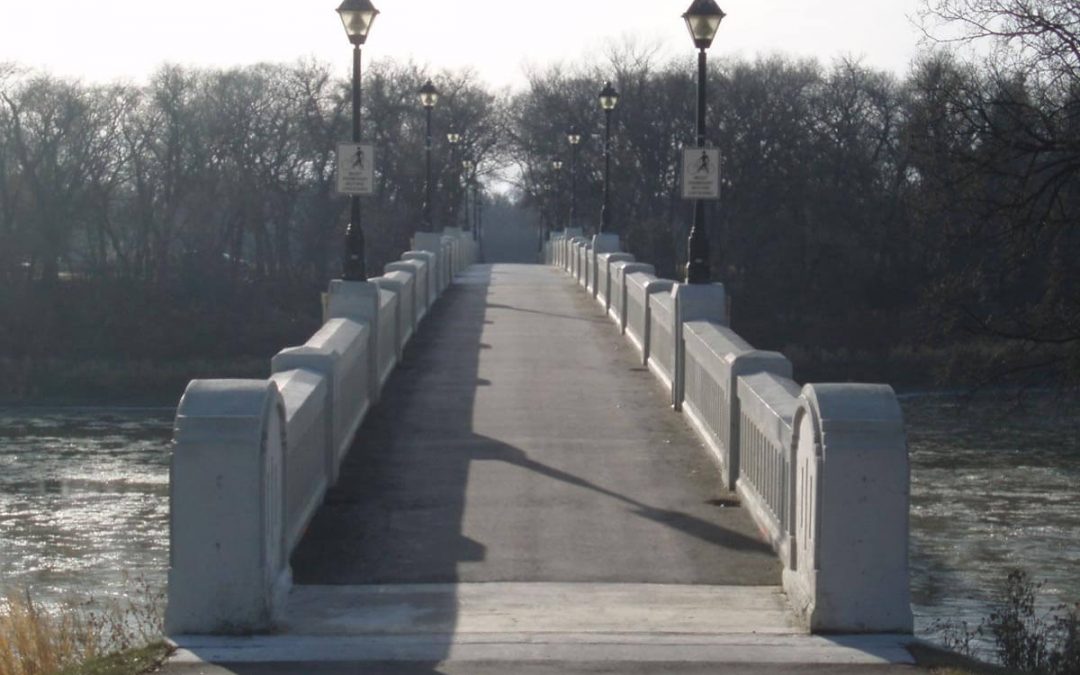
{"x":84,"y":497}
{"x":994,"y":487}
{"x":84,"y":500}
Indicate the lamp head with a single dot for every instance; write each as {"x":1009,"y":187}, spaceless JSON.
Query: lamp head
{"x":703,"y":20}
{"x":357,"y":17}
{"x":609,"y":98}
{"x":429,"y":95}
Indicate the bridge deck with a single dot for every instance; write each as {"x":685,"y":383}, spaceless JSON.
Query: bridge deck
{"x":524,"y":501}
{"x":520,"y":440}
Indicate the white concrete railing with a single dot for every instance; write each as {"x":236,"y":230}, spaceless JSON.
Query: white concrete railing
{"x":339,"y":352}
{"x":601,"y":243}
{"x":418,"y":270}
{"x":252,"y":459}
{"x":401,"y":284}
{"x":605,"y":281}
{"x":767,"y":403}
{"x":619,"y":271}
{"x":431,"y":272}
{"x":823,"y":468}
{"x":305,"y":395}
{"x":637,"y":310}
{"x":387,"y":351}
{"x":661,"y":327}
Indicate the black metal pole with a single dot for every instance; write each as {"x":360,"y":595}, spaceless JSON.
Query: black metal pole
{"x":697,"y":268}
{"x":464,"y":184}
{"x":427,"y":174}
{"x":605,"y":211}
{"x":573,"y":183}
{"x":354,"y":268}
{"x":476,"y":210}
{"x":451,"y":188}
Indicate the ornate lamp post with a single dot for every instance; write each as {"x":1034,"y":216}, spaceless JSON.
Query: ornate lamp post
{"x":357,"y":17}
{"x":429,"y":96}
{"x":574,"y":138}
{"x":702,"y":20}
{"x":453,"y":138}
{"x":609,"y":98}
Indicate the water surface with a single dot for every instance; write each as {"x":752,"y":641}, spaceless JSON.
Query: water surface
{"x":995,"y":486}
{"x":84,"y":500}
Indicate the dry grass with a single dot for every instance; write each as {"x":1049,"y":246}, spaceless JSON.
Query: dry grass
{"x":35,"y":640}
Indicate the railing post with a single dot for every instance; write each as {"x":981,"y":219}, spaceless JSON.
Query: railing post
{"x":693,"y":302}
{"x":850,"y":499}
{"x":228,"y":560}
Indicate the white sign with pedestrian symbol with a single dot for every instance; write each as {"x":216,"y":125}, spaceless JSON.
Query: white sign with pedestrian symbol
{"x":701,"y":173}
{"x":356,"y":169}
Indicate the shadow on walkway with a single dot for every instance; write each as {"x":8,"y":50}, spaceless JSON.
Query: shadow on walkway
{"x":519,"y":440}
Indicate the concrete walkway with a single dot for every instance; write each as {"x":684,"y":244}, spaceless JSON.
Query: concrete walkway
{"x":521,"y":440}
{"x":524,"y":499}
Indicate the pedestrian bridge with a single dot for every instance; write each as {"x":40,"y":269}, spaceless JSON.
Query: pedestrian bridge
{"x":568,"y":461}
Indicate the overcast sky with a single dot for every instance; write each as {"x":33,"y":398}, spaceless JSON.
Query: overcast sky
{"x":109,"y":39}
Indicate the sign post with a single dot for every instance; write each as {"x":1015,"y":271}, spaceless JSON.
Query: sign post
{"x":356,"y":169}
{"x":701,"y":173}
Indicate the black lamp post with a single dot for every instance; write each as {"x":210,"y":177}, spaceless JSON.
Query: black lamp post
{"x":468,"y":166}
{"x":357,"y":17}
{"x":453,"y":138}
{"x":429,"y":96}
{"x":608,"y":100}
{"x":556,"y":166}
{"x":574,"y":138}
{"x":702,"y":20}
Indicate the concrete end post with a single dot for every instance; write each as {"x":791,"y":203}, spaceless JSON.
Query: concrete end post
{"x":228,"y":563}
{"x":850,"y":495}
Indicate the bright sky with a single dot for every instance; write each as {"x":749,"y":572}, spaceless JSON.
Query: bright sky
{"x":107,"y":39}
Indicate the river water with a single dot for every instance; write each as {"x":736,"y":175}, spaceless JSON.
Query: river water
{"x":84,"y":500}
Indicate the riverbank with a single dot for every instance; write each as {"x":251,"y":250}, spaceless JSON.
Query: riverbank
{"x":110,"y":342}
{"x":66,"y":381}
{"x":74,"y":381}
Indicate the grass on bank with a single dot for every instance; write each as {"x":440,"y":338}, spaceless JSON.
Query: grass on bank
{"x":129,"y":662}
{"x":1021,"y":634}
{"x":118,"y":639}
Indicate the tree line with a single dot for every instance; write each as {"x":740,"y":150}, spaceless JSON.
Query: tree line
{"x":860,"y":210}
{"x":228,"y":173}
